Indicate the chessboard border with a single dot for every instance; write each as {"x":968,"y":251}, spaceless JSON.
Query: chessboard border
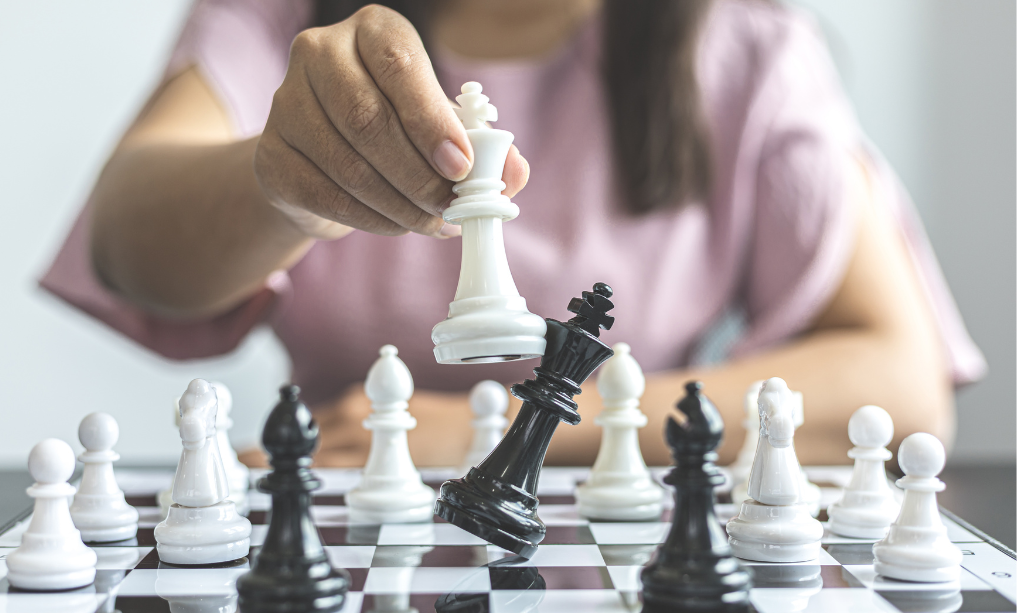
{"x":977,"y":532}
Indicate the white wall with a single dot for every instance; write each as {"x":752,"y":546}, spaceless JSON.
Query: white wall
{"x":933,"y":83}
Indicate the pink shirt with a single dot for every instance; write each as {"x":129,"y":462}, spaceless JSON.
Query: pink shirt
{"x":772,"y":242}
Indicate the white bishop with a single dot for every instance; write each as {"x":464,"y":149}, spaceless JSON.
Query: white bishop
{"x":488,"y":402}
{"x":99,"y":509}
{"x":620,"y":487}
{"x":391,"y":490}
{"x":202,"y":526}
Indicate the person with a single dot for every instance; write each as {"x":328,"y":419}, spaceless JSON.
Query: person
{"x":698,"y":156}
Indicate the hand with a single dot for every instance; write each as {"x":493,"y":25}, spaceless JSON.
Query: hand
{"x":360,"y":134}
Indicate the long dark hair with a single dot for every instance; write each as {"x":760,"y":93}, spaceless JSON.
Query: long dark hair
{"x":661,"y":152}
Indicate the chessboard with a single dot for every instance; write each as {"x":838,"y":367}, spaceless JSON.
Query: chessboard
{"x":581,"y":565}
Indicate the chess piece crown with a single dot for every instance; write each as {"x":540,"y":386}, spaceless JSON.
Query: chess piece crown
{"x":488,"y":320}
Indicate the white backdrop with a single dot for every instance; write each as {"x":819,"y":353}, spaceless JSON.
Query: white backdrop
{"x":933,"y":83}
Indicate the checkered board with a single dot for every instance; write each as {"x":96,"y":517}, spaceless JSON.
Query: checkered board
{"x":583,"y":565}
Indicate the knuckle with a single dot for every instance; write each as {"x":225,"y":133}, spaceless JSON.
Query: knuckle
{"x":427,"y":188}
{"x":366,"y":118}
{"x":355,"y":174}
{"x":339,"y":206}
{"x":396,"y":59}
{"x":305,"y":43}
{"x":373,"y":12}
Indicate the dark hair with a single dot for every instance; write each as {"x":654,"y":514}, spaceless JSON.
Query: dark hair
{"x":661,"y":152}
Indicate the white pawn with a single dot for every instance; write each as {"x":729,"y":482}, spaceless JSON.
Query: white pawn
{"x":773,"y":525}
{"x":868,"y":506}
{"x":917,"y":547}
{"x":391,"y":490}
{"x":51,"y":555}
{"x":99,"y":510}
{"x":238,"y":475}
{"x":488,"y":401}
{"x":202,"y":526}
{"x":810,"y":493}
{"x":620,"y":487}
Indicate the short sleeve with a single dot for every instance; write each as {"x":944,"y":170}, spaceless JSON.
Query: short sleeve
{"x":802,"y":232}
{"x":241,"y":48}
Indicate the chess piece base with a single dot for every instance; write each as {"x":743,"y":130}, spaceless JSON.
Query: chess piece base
{"x":619,"y":503}
{"x":499,"y":513}
{"x":33,"y":566}
{"x":314,"y":588}
{"x":768,"y":533}
{"x":722,"y":587}
{"x":936,"y":560}
{"x":406,"y":505}
{"x":203,"y":535}
{"x":863,"y":515}
{"x":102,"y":522}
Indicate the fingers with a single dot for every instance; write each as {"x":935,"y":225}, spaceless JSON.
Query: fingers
{"x":394,"y":56}
{"x":516,"y":172}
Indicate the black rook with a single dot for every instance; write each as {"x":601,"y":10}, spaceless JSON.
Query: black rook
{"x":694,"y":569}
{"x":496,"y":500}
{"x":292,"y":572}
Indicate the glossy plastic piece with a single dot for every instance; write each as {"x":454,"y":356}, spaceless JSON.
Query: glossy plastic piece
{"x":694,"y":569}
{"x":488,"y":320}
{"x":620,"y":486}
{"x":497,"y":499}
{"x":291,"y":572}
{"x":488,"y":403}
{"x":99,"y":509}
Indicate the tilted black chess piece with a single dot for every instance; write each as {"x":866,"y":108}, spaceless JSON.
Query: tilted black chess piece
{"x":693,"y":570}
{"x":496,"y":500}
{"x":291,"y":572}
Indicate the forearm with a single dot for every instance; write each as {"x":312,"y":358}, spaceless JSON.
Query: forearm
{"x":184,"y":229}
{"x":837,"y":371}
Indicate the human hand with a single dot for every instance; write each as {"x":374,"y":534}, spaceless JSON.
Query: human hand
{"x":360,"y":134}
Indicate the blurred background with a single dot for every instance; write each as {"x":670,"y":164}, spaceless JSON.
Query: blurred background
{"x":933,"y":83}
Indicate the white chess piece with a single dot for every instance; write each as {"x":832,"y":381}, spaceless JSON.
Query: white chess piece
{"x":868,"y":506}
{"x":740,"y":468}
{"x":488,"y":320}
{"x":51,"y":555}
{"x":202,"y":526}
{"x":237,"y":475}
{"x":810,"y":493}
{"x":917,"y":547}
{"x":773,"y":526}
{"x":488,"y":402}
{"x":99,"y":509}
{"x":390,"y":490}
{"x":620,"y":487}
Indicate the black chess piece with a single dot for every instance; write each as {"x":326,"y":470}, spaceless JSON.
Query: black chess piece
{"x":496,"y":500}
{"x":693,"y":570}
{"x":291,"y":573}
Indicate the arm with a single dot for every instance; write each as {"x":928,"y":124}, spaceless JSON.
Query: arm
{"x":875,"y":343}
{"x":189,"y":221}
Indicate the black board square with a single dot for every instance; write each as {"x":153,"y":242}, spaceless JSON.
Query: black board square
{"x":568,"y":535}
{"x":851,"y":553}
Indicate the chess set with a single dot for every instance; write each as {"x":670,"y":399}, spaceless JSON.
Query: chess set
{"x":501,"y":532}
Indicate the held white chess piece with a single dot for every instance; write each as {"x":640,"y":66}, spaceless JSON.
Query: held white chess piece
{"x":868,"y":506}
{"x":202,"y":526}
{"x":99,"y":509}
{"x":917,"y":547}
{"x":51,"y":555}
{"x":488,"y":402}
{"x":488,"y":320}
{"x":620,"y":487}
{"x":391,"y":490}
{"x":773,"y":525}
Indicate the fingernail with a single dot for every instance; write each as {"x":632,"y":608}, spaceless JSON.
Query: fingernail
{"x":450,"y":230}
{"x":451,"y":161}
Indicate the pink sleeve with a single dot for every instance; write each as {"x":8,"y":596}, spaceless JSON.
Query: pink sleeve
{"x":803,"y":235}
{"x":241,"y":47}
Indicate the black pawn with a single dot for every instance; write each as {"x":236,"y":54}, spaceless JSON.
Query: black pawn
{"x":291,"y":572}
{"x":497,"y":499}
{"x":694,"y":569}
